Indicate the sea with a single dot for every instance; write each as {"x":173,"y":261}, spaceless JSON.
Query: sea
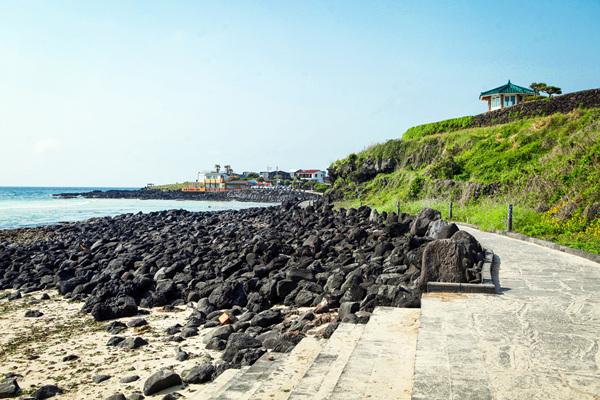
{"x":22,"y":207}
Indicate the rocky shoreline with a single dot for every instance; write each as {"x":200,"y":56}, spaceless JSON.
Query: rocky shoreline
{"x":254,"y":280}
{"x":247,"y":195}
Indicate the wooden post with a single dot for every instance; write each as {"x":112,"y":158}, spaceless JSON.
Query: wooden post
{"x":510,"y":218}
{"x":450,"y":211}
{"x":397,"y":207}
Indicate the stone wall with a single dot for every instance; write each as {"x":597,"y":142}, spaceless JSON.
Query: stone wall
{"x":563,"y":104}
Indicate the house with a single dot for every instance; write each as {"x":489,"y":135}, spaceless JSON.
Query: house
{"x":237,"y":185}
{"x":310,"y":175}
{"x":504,"y":96}
{"x":209,"y":182}
{"x":271,"y":175}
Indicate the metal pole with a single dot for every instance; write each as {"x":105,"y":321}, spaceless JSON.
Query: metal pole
{"x":510,"y":218}
{"x":450,"y":211}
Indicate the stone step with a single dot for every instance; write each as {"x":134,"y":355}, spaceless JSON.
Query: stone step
{"x":245,"y":383}
{"x":289,"y":372}
{"x":320,"y":379}
{"x":382,"y":363}
{"x":210,"y":389}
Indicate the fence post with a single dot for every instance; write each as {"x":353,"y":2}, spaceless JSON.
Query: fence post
{"x":397,"y":207}
{"x":450,"y":211}
{"x":510,"y":217}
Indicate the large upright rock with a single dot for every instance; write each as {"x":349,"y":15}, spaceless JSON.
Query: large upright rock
{"x":420,"y":225}
{"x":442,"y":262}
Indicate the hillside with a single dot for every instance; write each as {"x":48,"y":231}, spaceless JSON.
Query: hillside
{"x":547,"y":166}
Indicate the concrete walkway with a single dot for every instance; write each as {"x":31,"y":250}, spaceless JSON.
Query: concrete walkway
{"x":538,"y":339}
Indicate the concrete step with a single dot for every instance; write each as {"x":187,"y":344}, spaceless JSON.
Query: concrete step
{"x":320,"y":379}
{"x":289,"y":372}
{"x":245,"y":383}
{"x":212,"y":388}
{"x":382,"y":363}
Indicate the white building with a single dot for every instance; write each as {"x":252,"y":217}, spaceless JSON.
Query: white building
{"x":310,"y":175}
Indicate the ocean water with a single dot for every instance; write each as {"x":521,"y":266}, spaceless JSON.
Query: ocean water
{"x":34,"y":206}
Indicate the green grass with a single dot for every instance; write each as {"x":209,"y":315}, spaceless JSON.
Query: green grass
{"x":438,"y":127}
{"x":490,"y":216}
{"x":548,"y":167}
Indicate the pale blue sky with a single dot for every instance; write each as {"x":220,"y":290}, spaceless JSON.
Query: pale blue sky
{"x":125,"y":93}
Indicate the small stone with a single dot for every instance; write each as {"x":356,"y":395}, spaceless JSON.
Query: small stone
{"x":136,"y":396}
{"x":118,"y":396}
{"x":189,"y":332}
{"x":137,"y":322}
{"x":129,"y":379}
{"x":172,"y":396}
{"x":14,"y":296}
{"x":132,"y":343}
{"x":181,"y":355}
{"x":216,"y":344}
{"x":115,"y":340}
{"x":45,"y":296}
{"x":33,"y":314}
{"x":173,"y":329}
{"x":70,"y":357}
{"x":115,"y":327}
{"x":100,"y":378}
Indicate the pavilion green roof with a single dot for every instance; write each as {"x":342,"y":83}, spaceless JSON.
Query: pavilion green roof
{"x":507,"y":88}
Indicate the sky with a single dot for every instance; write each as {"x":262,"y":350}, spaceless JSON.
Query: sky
{"x":124,"y":93}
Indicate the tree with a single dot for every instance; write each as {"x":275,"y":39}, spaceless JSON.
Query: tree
{"x":217,"y":168}
{"x":552,"y":90}
{"x":228,"y":169}
{"x":538,"y":87}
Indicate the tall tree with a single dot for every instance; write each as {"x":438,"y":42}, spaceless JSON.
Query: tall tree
{"x":217,"y":168}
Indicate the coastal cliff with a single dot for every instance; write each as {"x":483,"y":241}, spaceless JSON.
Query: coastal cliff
{"x":543,"y":157}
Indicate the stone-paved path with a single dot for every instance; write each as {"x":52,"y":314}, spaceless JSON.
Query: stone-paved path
{"x":539,"y":339}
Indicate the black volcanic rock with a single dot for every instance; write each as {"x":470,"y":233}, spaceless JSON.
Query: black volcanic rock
{"x":236,"y":268}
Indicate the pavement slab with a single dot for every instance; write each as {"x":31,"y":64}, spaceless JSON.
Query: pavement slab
{"x":538,"y":339}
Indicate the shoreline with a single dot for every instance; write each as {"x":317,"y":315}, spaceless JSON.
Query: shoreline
{"x":252,"y":282}
{"x":245,"y":195}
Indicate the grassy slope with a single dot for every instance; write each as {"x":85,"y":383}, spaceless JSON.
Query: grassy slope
{"x":548,"y":167}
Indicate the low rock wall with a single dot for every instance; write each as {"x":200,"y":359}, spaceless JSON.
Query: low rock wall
{"x":559,"y":104}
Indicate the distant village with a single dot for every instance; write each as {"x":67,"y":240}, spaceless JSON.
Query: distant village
{"x":223,"y":179}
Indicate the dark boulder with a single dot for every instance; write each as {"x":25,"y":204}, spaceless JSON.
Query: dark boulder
{"x":114,"y":308}
{"x":267,"y":318}
{"x":198,"y":374}
{"x":160,"y":380}
{"x":47,"y":391}
{"x":237,"y":344}
{"x":420,"y":225}
{"x":9,"y":388}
